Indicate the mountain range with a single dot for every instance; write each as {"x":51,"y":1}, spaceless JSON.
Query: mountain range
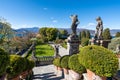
{"x":36,"y":30}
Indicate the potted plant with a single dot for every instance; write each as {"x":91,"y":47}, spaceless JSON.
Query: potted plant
{"x":98,"y":61}
{"x":76,"y":69}
{"x":4,"y":62}
{"x":16,"y":67}
{"x":57,"y":65}
{"x":64,"y":64}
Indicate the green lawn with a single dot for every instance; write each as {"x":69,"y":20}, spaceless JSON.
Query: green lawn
{"x":44,"y":50}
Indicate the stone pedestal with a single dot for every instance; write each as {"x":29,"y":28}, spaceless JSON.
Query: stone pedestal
{"x":103,"y":43}
{"x":73,"y":44}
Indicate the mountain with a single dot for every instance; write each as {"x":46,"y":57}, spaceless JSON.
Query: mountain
{"x":36,"y":30}
{"x":33,"y":30}
{"x":114,"y":31}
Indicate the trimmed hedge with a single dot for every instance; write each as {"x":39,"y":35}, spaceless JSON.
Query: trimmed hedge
{"x":99,"y":60}
{"x":4,"y":61}
{"x":64,"y":61}
{"x":75,"y":65}
{"x":18,"y":65}
{"x":56,"y":62}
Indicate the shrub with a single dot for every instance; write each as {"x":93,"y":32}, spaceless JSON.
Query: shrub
{"x":17,"y":65}
{"x":4,"y":61}
{"x":56,"y":62}
{"x":64,"y":61}
{"x":75,"y":65}
{"x":84,"y":41}
{"x":114,"y":42}
{"x":31,"y":64}
{"x":99,"y":60}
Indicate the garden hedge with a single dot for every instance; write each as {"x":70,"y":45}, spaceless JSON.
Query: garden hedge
{"x":75,"y":65}
{"x":56,"y":62}
{"x":4,"y":61}
{"x":18,"y":65}
{"x":64,"y":61}
{"x":99,"y":60}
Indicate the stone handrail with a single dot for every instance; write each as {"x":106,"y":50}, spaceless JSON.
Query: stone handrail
{"x":44,"y":60}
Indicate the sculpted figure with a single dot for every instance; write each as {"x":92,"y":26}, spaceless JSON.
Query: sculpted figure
{"x":56,"y":47}
{"x":99,"y":28}
{"x":75,"y":22}
{"x":118,"y":48}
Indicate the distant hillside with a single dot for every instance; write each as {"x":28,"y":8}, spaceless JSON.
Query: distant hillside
{"x":114,"y":31}
{"x":36,"y":30}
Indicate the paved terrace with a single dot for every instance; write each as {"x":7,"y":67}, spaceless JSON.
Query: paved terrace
{"x":47,"y":72}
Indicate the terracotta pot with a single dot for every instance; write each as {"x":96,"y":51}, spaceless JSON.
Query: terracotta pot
{"x":90,"y":74}
{"x":104,"y":78}
{"x":30,"y":71}
{"x":59,"y":68}
{"x":118,"y":55}
{"x":65,"y":71}
{"x":75,"y":75}
{"x":24,"y":74}
{"x":16,"y":78}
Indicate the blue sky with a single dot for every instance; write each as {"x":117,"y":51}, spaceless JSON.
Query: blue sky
{"x":55,"y":13}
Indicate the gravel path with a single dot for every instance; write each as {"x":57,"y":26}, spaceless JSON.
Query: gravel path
{"x":47,"y":72}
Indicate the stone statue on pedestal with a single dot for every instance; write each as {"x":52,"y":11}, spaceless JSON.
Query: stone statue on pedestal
{"x":73,"y":40}
{"x":56,"y":54}
{"x":99,"y":29}
{"x":75,"y":22}
{"x":118,"y":48}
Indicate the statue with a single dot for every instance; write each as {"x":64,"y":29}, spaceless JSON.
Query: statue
{"x":56,"y":47}
{"x":118,"y":48}
{"x":99,"y":29}
{"x":75,"y":22}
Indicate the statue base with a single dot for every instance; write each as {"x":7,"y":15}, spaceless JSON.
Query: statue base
{"x":103,"y":43}
{"x":73,"y":44}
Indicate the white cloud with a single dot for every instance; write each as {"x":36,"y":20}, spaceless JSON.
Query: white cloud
{"x":23,"y":26}
{"x":54,"y":21}
{"x":45,"y":8}
{"x":91,"y":24}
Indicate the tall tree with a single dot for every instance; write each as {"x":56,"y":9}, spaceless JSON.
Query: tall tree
{"x":63,"y":34}
{"x":48,"y":33}
{"x":80,"y":35}
{"x":88,"y":34}
{"x":117,"y":34}
{"x":106,"y":34}
{"x":6,"y":31}
{"x":83,"y":34}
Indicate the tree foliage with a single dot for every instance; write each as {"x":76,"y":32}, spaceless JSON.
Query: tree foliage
{"x":106,"y":34}
{"x":84,"y":34}
{"x":117,"y":34}
{"x":63,"y":34}
{"x":48,"y":34}
{"x":4,"y":61}
{"x":6,"y":31}
{"x":88,"y":34}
